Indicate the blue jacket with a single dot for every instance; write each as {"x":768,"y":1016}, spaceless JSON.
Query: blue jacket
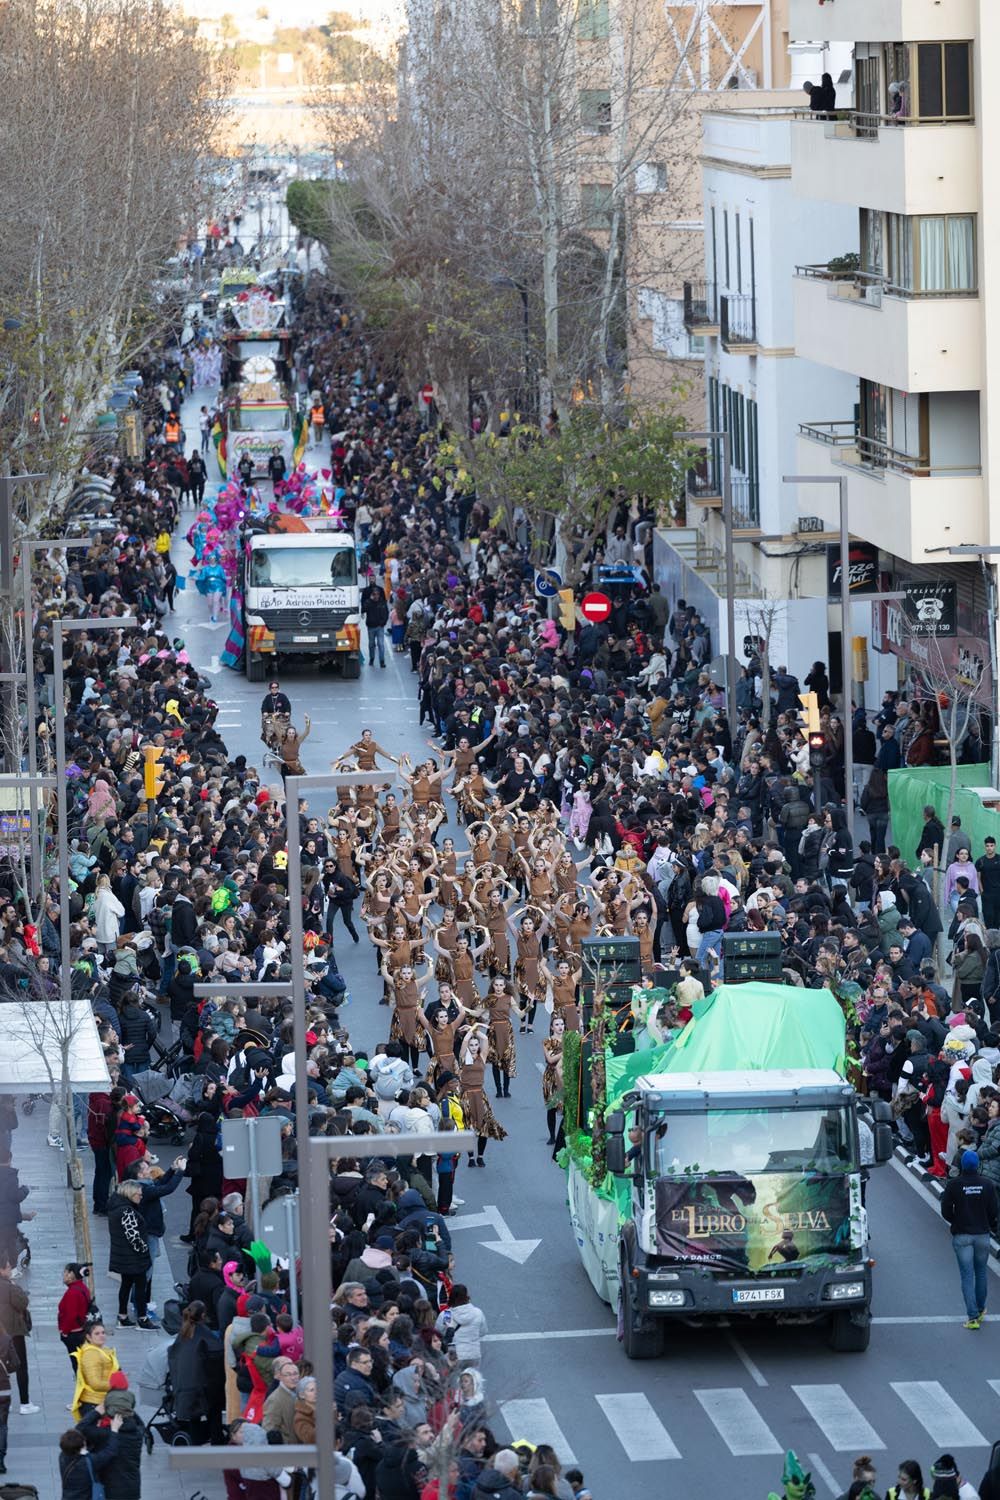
{"x":413,"y":1213}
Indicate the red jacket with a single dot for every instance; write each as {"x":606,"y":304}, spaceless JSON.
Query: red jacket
{"x":98,"y":1121}
{"x":74,"y":1305}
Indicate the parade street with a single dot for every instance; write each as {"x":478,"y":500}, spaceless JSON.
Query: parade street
{"x":727,"y":1402}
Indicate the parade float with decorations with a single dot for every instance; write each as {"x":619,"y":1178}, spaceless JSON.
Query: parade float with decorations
{"x":714,"y":1157}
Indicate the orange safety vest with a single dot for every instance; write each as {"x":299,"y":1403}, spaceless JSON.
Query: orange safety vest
{"x":172,"y":430}
{"x":317,"y":416}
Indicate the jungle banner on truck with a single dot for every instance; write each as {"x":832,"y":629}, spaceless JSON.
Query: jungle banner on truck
{"x":752,"y":1223}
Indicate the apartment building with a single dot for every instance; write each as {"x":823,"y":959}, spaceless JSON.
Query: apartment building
{"x":907,"y":316}
{"x":866,"y":355}
{"x":756,"y":388}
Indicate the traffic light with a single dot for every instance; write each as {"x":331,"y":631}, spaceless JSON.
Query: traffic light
{"x":810,"y":707}
{"x":567,"y":609}
{"x":153,"y":785}
{"x":817,"y":751}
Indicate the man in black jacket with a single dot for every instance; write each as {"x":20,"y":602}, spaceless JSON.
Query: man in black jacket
{"x":969,"y":1204}
{"x":183,"y":922}
{"x":138,"y":1032}
{"x":375,"y":608}
{"x":341,"y":894}
{"x":932,"y":834}
{"x":207,"y":1285}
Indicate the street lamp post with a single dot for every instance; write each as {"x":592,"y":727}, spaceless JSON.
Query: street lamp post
{"x":117,"y":622}
{"x":727,"y":521}
{"x":840,"y":480}
{"x":314,"y":1191}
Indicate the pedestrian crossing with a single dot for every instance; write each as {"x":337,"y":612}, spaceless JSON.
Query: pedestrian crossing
{"x":825,"y":1413}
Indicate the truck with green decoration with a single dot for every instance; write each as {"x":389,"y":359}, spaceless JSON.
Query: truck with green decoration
{"x":735,"y":1154}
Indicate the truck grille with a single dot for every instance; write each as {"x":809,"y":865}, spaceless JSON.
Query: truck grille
{"x":304,"y":621}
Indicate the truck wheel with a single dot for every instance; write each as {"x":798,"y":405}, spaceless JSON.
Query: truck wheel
{"x":850,"y":1332}
{"x":255,"y":667}
{"x":352,"y":669}
{"x":641,"y":1340}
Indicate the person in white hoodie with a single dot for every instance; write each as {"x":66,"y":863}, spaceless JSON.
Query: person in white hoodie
{"x":466,"y":1322}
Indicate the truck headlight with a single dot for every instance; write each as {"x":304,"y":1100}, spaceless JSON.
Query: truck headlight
{"x":667,"y":1299}
{"x":844,"y":1291}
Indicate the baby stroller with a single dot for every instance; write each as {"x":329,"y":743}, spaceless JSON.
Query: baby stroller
{"x":155,"y":1376}
{"x":165,"y":1103}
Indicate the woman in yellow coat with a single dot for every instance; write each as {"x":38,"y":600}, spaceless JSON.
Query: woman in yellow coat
{"x":96,"y":1362}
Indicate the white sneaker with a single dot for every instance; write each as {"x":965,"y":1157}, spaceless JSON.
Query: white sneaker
{"x":28,"y":1408}
{"x":56,"y":1142}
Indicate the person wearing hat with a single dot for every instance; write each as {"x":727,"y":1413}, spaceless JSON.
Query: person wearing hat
{"x":949,"y":1481}
{"x":969,"y":1204}
{"x":122,"y":1478}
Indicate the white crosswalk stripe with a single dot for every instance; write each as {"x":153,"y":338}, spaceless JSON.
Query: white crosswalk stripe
{"x":535,"y":1421}
{"x":941,"y":1417}
{"x":845,"y":1428}
{"x":637,"y":1427}
{"x":738,"y":1422}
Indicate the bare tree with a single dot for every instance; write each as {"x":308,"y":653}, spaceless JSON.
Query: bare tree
{"x":49,"y":1030}
{"x":761,"y":616}
{"x":110,"y":108}
{"x":955,"y":691}
{"x":488,"y":220}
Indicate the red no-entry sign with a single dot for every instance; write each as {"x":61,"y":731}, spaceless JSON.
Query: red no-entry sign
{"x":427,"y":394}
{"x":595,"y":608}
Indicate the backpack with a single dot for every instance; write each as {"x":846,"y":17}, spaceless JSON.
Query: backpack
{"x":171,"y":1316}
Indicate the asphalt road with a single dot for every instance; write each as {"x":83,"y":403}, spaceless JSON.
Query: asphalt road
{"x":715,"y":1414}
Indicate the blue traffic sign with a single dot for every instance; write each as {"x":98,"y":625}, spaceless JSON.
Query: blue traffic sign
{"x":548,"y":583}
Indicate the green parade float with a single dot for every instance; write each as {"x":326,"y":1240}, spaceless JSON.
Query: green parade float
{"x":718,"y":1174}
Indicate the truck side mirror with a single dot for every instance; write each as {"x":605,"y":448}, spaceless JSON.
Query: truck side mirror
{"x":881,"y":1111}
{"x":614,"y":1130}
{"x":884,"y":1144}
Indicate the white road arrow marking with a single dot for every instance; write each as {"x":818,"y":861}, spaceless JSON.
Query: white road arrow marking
{"x":505,"y":1243}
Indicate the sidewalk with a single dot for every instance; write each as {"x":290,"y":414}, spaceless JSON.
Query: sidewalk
{"x":33,"y":1452}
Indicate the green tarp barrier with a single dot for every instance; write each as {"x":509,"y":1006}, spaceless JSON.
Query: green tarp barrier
{"x":743,"y":1026}
{"x":916,"y":787}
{"x":762,"y":1026}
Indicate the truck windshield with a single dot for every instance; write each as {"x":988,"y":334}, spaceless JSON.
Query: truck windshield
{"x":260,"y":419}
{"x":753,"y":1140}
{"x":303,"y":567}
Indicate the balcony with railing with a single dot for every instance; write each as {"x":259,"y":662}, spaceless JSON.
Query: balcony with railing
{"x":903,"y":502}
{"x":863,"y":323}
{"x":701,"y":314}
{"x":704,"y":487}
{"x":746,"y":503}
{"x":738,"y":323}
{"x":912,"y":165}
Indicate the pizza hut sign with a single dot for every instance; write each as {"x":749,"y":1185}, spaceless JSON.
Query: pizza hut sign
{"x":931,"y":609}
